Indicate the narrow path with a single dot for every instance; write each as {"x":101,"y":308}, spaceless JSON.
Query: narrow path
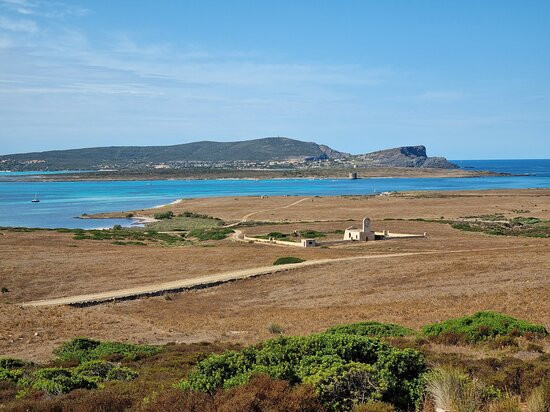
{"x":247,"y":216}
{"x":219,"y":278}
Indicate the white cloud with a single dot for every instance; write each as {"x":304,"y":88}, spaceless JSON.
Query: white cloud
{"x":19,"y":25}
{"x":44,"y":8}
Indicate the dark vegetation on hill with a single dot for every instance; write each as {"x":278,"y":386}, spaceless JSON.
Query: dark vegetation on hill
{"x":221,"y":154}
{"x":366,"y":366}
{"x":271,"y":148}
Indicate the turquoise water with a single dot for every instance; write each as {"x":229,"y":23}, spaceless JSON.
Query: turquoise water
{"x":61,"y":202}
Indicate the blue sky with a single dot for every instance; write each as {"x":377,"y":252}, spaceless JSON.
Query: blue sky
{"x":468,"y":79}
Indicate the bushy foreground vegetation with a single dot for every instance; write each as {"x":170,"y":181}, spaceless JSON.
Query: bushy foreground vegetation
{"x":59,"y":380}
{"x":481,"y":326}
{"x":344,"y":369}
{"x":365,"y":366}
{"x":83,"y":350}
{"x":373,"y":329}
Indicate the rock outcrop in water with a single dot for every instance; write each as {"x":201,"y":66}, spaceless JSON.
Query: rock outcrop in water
{"x":407,"y":156}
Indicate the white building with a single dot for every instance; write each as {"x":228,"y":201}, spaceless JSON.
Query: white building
{"x":364,"y":234}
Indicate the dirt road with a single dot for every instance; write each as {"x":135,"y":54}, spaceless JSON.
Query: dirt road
{"x":249,"y":215}
{"x":216,"y":279}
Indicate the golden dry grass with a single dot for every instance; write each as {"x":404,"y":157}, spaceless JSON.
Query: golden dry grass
{"x":507,"y":274}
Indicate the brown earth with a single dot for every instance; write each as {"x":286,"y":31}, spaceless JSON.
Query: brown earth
{"x":508,"y":274}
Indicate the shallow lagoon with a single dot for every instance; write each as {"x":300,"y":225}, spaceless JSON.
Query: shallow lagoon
{"x":61,"y":202}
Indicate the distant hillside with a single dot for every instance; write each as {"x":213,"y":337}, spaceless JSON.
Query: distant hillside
{"x":408,"y":156}
{"x":271,"y":148}
{"x":223,"y":154}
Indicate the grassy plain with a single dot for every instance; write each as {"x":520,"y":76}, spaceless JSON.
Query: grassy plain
{"x":468,"y":271}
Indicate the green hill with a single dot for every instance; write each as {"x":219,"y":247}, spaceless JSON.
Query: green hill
{"x":271,"y":148}
{"x":257,"y":152}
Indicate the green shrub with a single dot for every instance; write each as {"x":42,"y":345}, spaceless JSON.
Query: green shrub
{"x":56,"y":381}
{"x":344,"y":369}
{"x":310,"y":234}
{"x":374,"y":329}
{"x":164,"y":215}
{"x":483,"y":325}
{"x":84,"y":349}
{"x":276,"y":235}
{"x":11,"y":375}
{"x":11,"y":363}
{"x":210,"y":234}
{"x":99,"y":370}
{"x":121,"y":374}
{"x":287,"y":259}
{"x":4,"y":289}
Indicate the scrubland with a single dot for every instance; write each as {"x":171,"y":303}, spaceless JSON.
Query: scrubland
{"x":465,"y":271}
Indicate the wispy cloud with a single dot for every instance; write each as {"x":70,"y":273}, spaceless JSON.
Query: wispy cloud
{"x":18,"y":25}
{"x":44,"y":8}
{"x":432,"y":96}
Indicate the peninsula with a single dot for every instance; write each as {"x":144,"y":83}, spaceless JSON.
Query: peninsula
{"x":272,"y":157}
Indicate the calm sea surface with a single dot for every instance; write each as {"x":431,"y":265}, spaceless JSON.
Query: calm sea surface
{"x":61,"y":202}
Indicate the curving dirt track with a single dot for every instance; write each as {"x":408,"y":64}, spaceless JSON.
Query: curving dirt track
{"x":217,"y":279}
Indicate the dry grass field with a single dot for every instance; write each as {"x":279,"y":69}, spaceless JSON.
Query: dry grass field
{"x":466,"y":272}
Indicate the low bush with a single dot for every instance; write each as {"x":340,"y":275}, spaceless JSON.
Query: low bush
{"x":261,"y":393}
{"x":452,"y":390}
{"x":501,"y":342}
{"x":539,"y":399}
{"x":507,"y":374}
{"x":98,"y":370}
{"x":164,"y":215}
{"x":55,"y":381}
{"x":84,"y":349}
{"x":210,"y":234}
{"x":11,"y":375}
{"x":311,"y":234}
{"x":374,"y":329}
{"x":344,"y":369}
{"x":275,"y":329}
{"x":287,"y":259}
{"x":506,"y":404}
{"x":11,"y":363}
{"x":276,"y":235}
{"x":481,"y":326}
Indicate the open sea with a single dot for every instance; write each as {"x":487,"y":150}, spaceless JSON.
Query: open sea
{"x":62,"y":202}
